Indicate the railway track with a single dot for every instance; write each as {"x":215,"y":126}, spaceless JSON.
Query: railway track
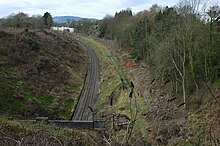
{"x":90,"y":93}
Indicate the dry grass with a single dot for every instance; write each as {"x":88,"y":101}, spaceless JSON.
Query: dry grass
{"x":123,"y":106}
{"x":41,"y":73}
{"x":168,"y":124}
{"x":14,"y":133}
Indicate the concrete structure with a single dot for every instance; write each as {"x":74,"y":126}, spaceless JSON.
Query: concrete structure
{"x":63,"y":29}
{"x":98,"y":124}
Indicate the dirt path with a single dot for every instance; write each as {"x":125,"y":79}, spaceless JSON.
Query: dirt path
{"x":90,"y":91}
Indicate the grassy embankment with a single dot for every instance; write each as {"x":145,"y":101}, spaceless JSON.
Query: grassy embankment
{"x":41,"y":74}
{"x":15,"y":133}
{"x":169,"y":123}
{"x":111,"y":79}
{"x":111,"y":74}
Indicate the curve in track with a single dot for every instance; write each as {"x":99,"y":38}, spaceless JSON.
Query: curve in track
{"x":90,"y":90}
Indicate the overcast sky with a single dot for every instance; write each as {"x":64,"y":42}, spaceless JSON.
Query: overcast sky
{"x":82,"y":8}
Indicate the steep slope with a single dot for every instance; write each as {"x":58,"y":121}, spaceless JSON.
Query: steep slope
{"x":14,"y":133}
{"x":167,"y":121}
{"x":41,"y":74}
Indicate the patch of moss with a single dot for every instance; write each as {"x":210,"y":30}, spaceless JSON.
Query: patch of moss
{"x":5,"y":95}
{"x":69,"y":104}
{"x":14,"y":105}
{"x":28,"y":95}
{"x":35,"y":134}
{"x":45,"y":100}
{"x":5,"y":92}
{"x":9,"y":74}
{"x":75,"y":88}
{"x":17,"y":107}
{"x":36,"y":74}
{"x":216,"y":84}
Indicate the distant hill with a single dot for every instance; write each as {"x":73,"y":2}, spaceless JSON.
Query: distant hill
{"x":64,"y":19}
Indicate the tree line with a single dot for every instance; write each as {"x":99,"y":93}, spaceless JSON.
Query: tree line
{"x":180,"y":44}
{"x":22,"y":20}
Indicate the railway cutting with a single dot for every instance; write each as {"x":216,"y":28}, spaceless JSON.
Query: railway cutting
{"x":89,"y":94}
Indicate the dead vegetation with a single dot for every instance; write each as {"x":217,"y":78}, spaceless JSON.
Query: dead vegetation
{"x":13,"y":133}
{"x":168,"y":122}
{"x":41,"y":73}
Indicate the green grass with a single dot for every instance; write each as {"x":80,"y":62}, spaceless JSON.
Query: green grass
{"x":11,"y":105}
{"x":10,"y":82}
{"x":35,"y":75}
{"x":5,"y":92}
{"x":28,"y":95}
{"x":75,"y":88}
{"x":112,"y":74}
{"x":14,"y":106}
{"x":9,"y":74}
{"x":45,"y":100}
{"x":216,"y":84}
{"x":108,"y":69}
{"x":69,"y":104}
{"x":27,"y":126}
{"x":17,"y":107}
{"x":36,"y":134}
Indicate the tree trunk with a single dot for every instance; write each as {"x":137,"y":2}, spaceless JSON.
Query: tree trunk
{"x":183,"y":78}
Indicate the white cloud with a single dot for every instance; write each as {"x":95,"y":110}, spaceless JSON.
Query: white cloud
{"x":82,"y":8}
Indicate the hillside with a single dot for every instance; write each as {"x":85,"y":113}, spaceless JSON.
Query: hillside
{"x":14,"y":133}
{"x":172,"y":56}
{"x":41,"y":74}
{"x":148,"y":116}
{"x":65,"y":19}
{"x":162,"y":120}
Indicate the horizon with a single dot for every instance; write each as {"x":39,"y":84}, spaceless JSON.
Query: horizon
{"x":96,"y":9}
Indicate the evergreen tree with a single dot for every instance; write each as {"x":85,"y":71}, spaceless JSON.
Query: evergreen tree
{"x":48,"y":21}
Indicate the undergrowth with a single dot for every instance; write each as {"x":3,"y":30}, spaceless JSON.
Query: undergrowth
{"x":112,"y":79}
{"x":16,"y":133}
{"x":41,"y":74}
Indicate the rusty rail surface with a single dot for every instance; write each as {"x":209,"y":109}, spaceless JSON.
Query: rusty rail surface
{"x":90,"y":91}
